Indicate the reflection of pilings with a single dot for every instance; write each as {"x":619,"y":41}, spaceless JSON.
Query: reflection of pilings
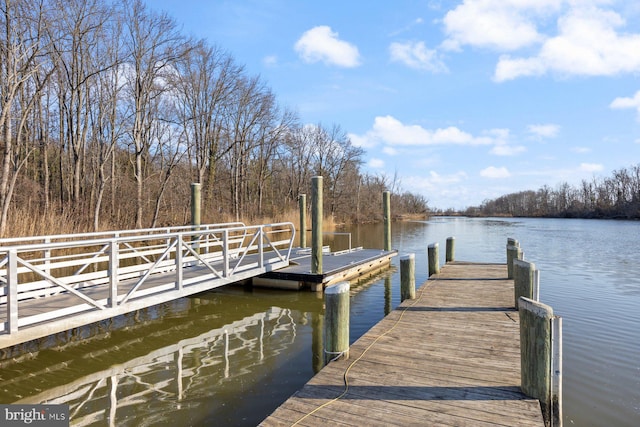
{"x":178,"y":357}
{"x":387,"y":295}
{"x":262,"y":339}
{"x":226,"y":354}
{"x":113,"y":400}
{"x":317,"y":354}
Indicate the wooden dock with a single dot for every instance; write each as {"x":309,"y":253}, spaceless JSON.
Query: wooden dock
{"x":450,"y":357}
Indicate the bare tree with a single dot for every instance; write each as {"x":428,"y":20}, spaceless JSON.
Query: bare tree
{"x":205,"y":82}
{"x":22,"y":45}
{"x":245,"y":117}
{"x":77,"y":55}
{"x":108,"y":113}
{"x":154,"y":45}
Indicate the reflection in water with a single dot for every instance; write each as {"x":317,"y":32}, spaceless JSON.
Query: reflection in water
{"x":187,"y":381}
{"x":387,"y":294}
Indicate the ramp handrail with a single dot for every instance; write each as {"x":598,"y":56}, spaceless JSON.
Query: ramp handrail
{"x":104,"y":274}
{"x":51,"y":238}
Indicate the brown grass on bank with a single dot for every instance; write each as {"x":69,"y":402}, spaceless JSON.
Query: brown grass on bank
{"x":24,"y":221}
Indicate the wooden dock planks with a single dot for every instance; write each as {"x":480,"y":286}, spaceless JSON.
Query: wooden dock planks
{"x":450,"y":357}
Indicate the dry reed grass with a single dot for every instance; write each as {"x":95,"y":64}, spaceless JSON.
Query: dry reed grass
{"x":25,"y":222}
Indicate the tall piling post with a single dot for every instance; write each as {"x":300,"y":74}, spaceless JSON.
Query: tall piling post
{"x":407,"y":277}
{"x":537,"y":348}
{"x":316,"y":225}
{"x":336,"y":332}
{"x":386,"y":208}
{"x":523,"y":280}
{"x":302,"y":202}
{"x":195,"y":205}
{"x":195,"y":214}
{"x":513,"y":252}
{"x":450,"y":249}
{"x":433,"y":254}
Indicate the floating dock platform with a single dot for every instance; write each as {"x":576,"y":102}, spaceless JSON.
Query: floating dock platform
{"x":337,"y":266}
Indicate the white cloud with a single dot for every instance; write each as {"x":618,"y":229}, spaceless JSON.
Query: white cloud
{"x":544,"y":131}
{"x":507,"y":150}
{"x":505,"y":25}
{"x":270,"y":61}
{"x":361,"y":141}
{"x":391,"y":132}
{"x":322,"y":44}
{"x":416,"y":55}
{"x":433,"y":181}
{"x":376,"y":163}
{"x":494,"y":172}
{"x":625,"y":103}
{"x":588,"y":43}
{"x":581,"y":150}
{"x":389,"y":151}
{"x":591,"y":167}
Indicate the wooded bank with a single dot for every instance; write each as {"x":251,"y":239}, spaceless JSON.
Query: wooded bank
{"x":616,"y":196}
{"x":108,"y":112}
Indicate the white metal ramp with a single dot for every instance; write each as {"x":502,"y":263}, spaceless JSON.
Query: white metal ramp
{"x":50,"y":284}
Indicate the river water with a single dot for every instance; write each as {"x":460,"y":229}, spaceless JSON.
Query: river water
{"x":231,"y":356}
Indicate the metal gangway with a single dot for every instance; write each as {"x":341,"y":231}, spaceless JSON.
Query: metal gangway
{"x":50,"y":284}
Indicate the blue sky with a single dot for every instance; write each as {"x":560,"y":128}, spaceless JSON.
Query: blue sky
{"x":461,"y":100}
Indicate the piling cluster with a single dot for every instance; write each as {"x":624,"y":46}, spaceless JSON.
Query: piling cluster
{"x":540,"y":337}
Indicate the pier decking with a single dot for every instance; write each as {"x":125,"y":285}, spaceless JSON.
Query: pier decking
{"x":451,"y":356}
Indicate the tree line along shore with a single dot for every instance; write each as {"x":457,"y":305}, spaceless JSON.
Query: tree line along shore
{"x":614,"y":197}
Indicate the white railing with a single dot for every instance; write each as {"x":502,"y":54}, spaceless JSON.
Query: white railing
{"x":48,"y":278}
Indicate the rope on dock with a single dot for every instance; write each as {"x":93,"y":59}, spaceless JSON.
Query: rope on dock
{"x":345,"y":377}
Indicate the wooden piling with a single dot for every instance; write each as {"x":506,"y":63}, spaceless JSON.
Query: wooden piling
{"x":195,"y":205}
{"x":433,"y":254}
{"x":536,"y":353}
{"x":336,"y":332}
{"x":195,"y":214}
{"x":523,"y":280}
{"x":302,"y":202}
{"x":407,"y":277}
{"x":513,"y":252}
{"x":386,"y":209}
{"x":450,"y":249}
{"x":316,"y":225}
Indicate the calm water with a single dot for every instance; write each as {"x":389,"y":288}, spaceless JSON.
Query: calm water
{"x":231,"y":356}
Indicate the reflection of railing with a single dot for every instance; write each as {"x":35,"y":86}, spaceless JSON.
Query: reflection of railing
{"x":104,"y":275}
{"x":194,"y":365}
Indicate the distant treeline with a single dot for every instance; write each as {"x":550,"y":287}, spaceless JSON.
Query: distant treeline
{"x":617,"y":196}
{"x":108,"y":113}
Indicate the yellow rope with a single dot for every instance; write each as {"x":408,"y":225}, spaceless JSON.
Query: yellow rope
{"x":345,"y":377}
